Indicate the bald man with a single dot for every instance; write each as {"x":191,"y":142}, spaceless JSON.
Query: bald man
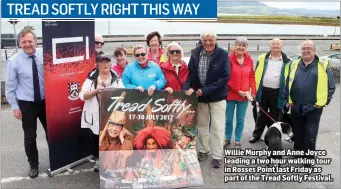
{"x":270,"y":82}
{"x":99,"y":42}
{"x":309,"y":87}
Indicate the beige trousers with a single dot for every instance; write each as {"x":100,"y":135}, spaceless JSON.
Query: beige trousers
{"x":215,"y":135}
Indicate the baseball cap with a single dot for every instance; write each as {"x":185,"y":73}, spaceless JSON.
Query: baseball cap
{"x":102,"y":57}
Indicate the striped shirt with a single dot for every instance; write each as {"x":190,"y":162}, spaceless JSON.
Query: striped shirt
{"x":204,"y":63}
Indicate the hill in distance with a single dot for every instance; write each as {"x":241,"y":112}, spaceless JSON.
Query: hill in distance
{"x":258,"y":8}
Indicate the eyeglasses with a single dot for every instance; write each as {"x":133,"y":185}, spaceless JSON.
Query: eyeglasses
{"x":142,"y":54}
{"x":174,"y":52}
{"x":98,"y":42}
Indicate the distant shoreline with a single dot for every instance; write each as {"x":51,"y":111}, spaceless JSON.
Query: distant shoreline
{"x":263,"y":19}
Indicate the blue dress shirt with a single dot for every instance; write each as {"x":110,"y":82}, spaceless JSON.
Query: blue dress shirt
{"x":19,"y":78}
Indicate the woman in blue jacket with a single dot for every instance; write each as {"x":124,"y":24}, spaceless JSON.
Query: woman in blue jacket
{"x":142,"y":74}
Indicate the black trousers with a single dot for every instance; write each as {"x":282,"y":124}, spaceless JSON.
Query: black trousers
{"x":269,"y":101}
{"x":306,"y":129}
{"x":95,"y":144}
{"x":30,"y":112}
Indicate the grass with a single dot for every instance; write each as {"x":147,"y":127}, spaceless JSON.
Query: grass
{"x":299,"y":20}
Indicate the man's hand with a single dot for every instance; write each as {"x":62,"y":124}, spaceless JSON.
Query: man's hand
{"x":199,"y":92}
{"x":316,"y":106}
{"x":189,"y":92}
{"x":151,"y":90}
{"x":289,"y":105}
{"x":17,"y":114}
{"x":170,"y":90}
{"x":140,"y":88}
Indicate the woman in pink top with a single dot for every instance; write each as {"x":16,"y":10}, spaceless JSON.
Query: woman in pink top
{"x":120,"y":55}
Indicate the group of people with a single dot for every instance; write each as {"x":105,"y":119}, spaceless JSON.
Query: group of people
{"x":151,"y":70}
{"x":223,"y":82}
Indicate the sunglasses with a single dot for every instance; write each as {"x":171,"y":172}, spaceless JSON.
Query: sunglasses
{"x":142,"y":54}
{"x":174,"y":52}
{"x":98,"y":42}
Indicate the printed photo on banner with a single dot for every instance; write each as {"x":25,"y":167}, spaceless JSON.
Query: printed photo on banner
{"x":148,"y":140}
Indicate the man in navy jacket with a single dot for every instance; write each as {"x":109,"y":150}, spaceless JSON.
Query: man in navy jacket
{"x":309,"y":88}
{"x":208,"y":76}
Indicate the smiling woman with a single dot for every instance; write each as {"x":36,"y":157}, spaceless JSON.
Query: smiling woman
{"x":98,"y":79}
{"x":175,"y":69}
{"x":142,"y":73}
{"x":155,"y":52}
{"x":242,"y":81}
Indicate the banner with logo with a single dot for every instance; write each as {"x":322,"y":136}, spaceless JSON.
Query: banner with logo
{"x":148,"y":141}
{"x":69,"y":55}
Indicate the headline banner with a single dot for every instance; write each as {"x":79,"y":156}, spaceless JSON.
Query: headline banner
{"x":78,"y":9}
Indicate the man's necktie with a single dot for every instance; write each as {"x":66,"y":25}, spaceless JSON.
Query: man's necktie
{"x":36,"y":86}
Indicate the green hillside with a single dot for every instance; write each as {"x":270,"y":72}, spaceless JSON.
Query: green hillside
{"x":258,"y":8}
{"x":300,"y":20}
{"x":254,"y":10}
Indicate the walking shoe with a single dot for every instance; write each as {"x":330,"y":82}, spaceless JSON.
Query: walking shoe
{"x":227,"y":142}
{"x":216,"y":163}
{"x":254,"y":139}
{"x":34,"y":171}
{"x":237,"y":145}
{"x":96,"y":167}
{"x":202,"y":156}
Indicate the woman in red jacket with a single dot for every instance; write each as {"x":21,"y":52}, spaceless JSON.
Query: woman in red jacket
{"x":120,"y":55}
{"x":242,"y":80}
{"x":175,"y":69}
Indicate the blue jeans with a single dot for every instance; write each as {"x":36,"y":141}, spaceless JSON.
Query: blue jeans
{"x":241,"y":107}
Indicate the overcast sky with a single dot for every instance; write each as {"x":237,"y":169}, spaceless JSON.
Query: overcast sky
{"x":306,"y":5}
